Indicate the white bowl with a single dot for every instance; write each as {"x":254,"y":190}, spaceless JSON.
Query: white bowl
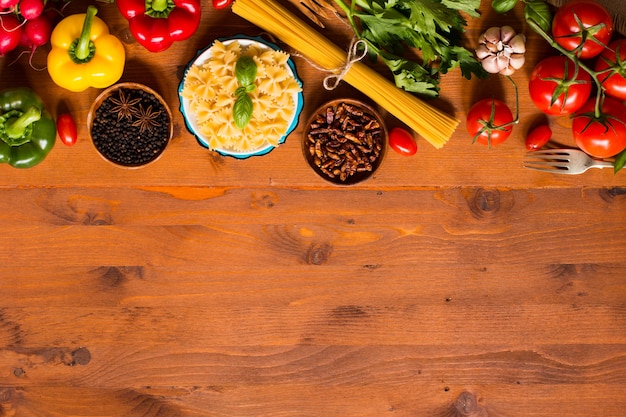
{"x":190,"y":122}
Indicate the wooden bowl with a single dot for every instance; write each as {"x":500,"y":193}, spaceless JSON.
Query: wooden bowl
{"x":125,"y":126}
{"x":349,"y":151}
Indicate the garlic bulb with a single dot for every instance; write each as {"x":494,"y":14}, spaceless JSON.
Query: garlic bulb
{"x":501,"y":51}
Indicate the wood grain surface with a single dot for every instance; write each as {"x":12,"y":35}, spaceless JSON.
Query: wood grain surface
{"x":451,"y":284}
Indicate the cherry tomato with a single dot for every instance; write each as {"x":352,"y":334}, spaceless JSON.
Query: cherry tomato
{"x":604,"y":136}
{"x":402,"y":141}
{"x":582,"y":20}
{"x":611,"y":65}
{"x":66,"y":129}
{"x":221,"y":4}
{"x":558,"y":87}
{"x":538,"y":137}
{"x":486,"y":121}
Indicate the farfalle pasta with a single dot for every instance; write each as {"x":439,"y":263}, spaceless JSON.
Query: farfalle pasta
{"x":210,"y":86}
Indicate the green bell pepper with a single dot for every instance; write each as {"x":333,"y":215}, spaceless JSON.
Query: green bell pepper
{"x":27,"y":130}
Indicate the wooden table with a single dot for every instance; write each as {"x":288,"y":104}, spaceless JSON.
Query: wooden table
{"x":453,"y":283}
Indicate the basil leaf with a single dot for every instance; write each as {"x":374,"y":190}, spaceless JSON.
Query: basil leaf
{"x":240,"y":91}
{"x":242,"y":111}
{"x":539,"y":12}
{"x":503,"y":6}
{"x":245,"y":70}
{"x":620,"y":161}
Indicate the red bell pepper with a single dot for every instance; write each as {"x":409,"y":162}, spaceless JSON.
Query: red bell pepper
{"x":157,"y":24}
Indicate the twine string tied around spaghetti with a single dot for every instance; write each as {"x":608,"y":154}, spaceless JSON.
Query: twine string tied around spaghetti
{"x":332,"y":81}
{"x":355,"y":54}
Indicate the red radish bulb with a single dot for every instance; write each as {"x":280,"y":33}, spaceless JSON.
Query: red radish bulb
{"x":38,"y":30}
{"x":31,"y":9}
{"x":24,"y":39}
{"x":10,"y":33}
{"x":8,"y":4}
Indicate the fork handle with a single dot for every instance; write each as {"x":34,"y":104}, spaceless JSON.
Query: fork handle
{"x":601,"y":164}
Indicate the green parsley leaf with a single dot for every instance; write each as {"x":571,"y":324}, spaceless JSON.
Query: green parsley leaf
{"x":468,"y":6}
{"x":411,"y":76}
{"x":433,"y":27}
{"x":458,"y":56}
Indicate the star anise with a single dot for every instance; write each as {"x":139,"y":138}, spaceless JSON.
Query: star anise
{"x":146,"y":118}
{"x":124,"y":106}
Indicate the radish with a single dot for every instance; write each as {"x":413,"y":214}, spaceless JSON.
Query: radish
{"x":24,"y":39}
{"x":31,"y":9}
{"x":8,"y":4}
{"x":38,"y":31}
{"x":10,"y":33}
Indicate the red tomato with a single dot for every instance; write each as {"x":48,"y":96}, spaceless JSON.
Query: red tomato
{"x":538,"y":137}
{"x":582,"y":20}
{"x":601,"y":137}
{"x":402,"y":141}
{"x":488,"y":121}
{"x":66,"y":129}
{"x":221,"y":4}
{"x":611,"y":65}
{"x":558,"y":87}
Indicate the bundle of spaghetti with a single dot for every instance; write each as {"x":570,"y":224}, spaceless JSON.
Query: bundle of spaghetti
{"x":429,"y":122}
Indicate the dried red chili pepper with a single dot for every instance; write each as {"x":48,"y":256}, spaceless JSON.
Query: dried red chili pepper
{"x":157,"y":24}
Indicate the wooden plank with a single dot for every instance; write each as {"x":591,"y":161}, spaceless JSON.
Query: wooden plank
{"x":286,"y":227}
{"x":438,"y":400}
{"x":233,"y":322}
{"x":118,"y":366}
{"x":458,"y":285}
{"x":461,"y":210}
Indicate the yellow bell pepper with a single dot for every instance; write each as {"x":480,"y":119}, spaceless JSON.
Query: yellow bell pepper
{"x":84,"y":54}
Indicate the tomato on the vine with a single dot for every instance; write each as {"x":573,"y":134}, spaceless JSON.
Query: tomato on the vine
{"x":583,"y":26}
{"x":558,"y":87}
{"x":604,"y":136}
{"x":402,"y":141}
{"x":538,"y":137}
{"x":611,"y":64}
{"x":490,"y":121}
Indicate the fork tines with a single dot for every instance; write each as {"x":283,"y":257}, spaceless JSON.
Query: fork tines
{"x":548,"y":160}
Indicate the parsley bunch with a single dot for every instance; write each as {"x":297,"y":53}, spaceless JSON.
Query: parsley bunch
{"x":434,"y":27}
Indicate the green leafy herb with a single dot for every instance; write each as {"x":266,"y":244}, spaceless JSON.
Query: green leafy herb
{"x":434,"y":27}
{"x":242,"y":110}
{"x":620,"y":161}
{"x":245,"y":71}
{"x":536,"y":11}
{"x":539,"y":12}
{"x":503,"y":6}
